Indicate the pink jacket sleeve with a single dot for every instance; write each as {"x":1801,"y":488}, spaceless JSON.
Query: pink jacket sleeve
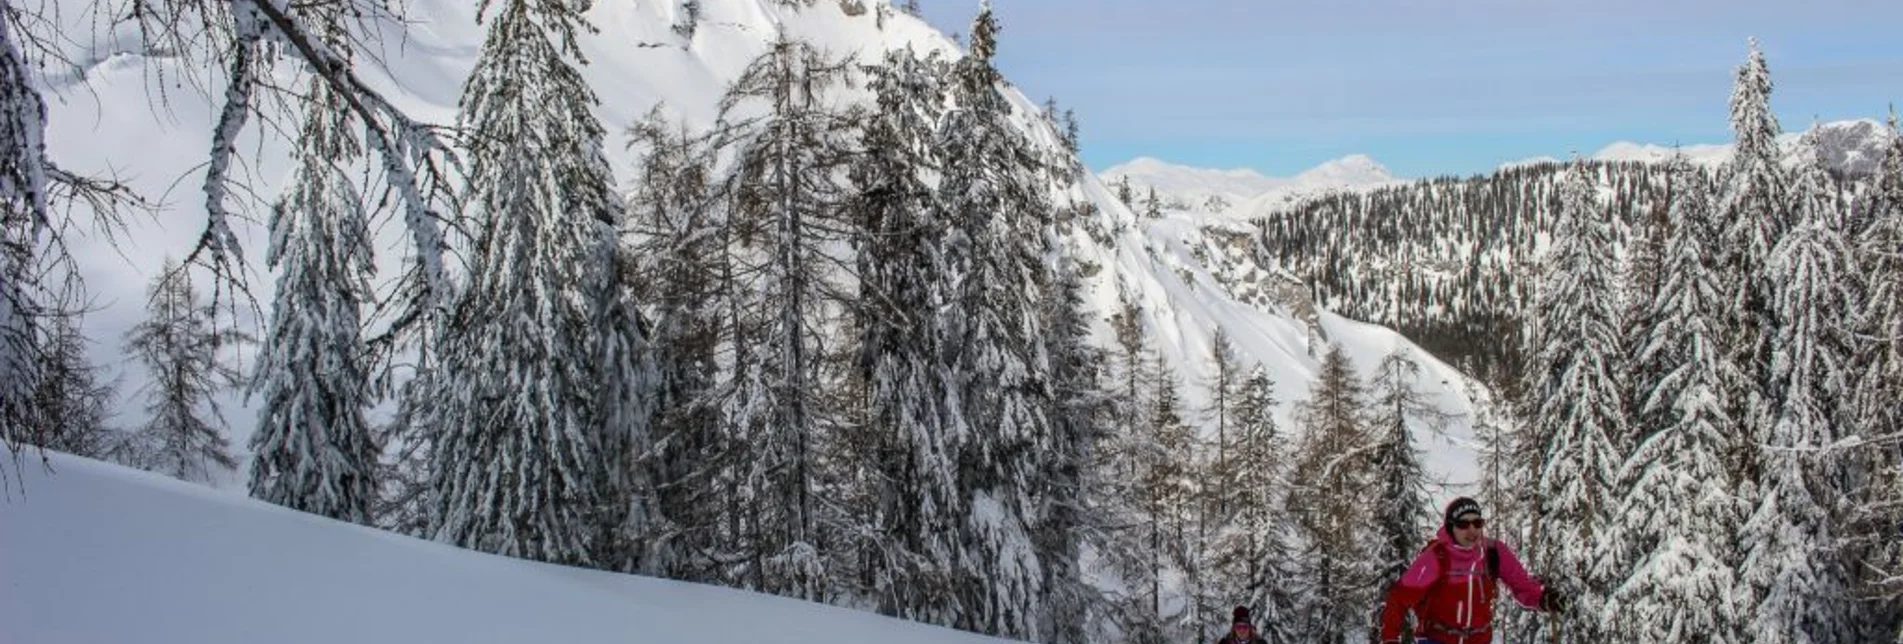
{"x":1407,"y":592}
{"x":1526,"y":590}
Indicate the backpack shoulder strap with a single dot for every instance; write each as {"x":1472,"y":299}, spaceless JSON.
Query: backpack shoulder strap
{"x":1493,"y":559}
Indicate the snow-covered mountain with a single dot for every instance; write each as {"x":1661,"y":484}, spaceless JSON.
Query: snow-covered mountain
{"x":1190,"y":277}
{"x":1702,"y":154}
{"x":1243,"y":191}
{"x":1854,"y":147}
{"x":100,"y":553}
{"x":1187,"y":183}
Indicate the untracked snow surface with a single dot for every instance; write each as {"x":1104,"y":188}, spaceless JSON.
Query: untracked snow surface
{"x":93,"y":553}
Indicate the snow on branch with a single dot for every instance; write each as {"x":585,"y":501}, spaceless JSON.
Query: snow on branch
{"x":218,"y":239}
{"x":415,"y":159}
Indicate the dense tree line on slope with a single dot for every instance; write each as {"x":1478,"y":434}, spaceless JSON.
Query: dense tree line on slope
{"x":1696,"y":450}
{"x":1448,"y":262}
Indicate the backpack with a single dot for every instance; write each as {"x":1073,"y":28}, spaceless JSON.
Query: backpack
{"x":1440,"y":552}
{"x":1440,"y":556}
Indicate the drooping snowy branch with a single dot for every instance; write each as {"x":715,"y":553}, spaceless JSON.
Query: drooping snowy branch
{"x":417,"y":162}
{"x":218,"y":241}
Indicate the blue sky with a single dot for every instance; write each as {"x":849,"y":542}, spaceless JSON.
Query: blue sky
{"x":1428,"y":86}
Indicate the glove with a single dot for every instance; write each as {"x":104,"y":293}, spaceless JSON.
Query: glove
{"x":1552,"y":601}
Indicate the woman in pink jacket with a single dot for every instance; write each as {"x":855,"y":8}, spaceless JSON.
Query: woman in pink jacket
{"x":1451,"y":585}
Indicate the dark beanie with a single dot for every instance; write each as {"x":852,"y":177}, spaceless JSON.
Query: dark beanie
{"x":1460,"y":506}
{"x":1242,"y":615}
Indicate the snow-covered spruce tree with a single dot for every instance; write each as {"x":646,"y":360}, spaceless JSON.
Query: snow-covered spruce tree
{"x":1212,"y":483}
{"x":719,"y":523}
{"x":404,"y":473}
{"x":1752,"y":206}
{"x":1073,"y":138}
{"x":1579,"y":389}
{"x":1121,"y":464}
{"x":1167,"y":496}
{"x":996,"y":202}
{"x":901,"y":279}
{"x":787,"y":208}
{"x":1224,"y":389}
{"x":678,"y":260}
{"x":532,"y":425}
{"x":1640,"y":280}
{"x":1333,"y":468}
{"x":1512,"y":458}
{"x":1879,"y":253}
{"x":1815,"y":193}
{"x":1679,"y":512}
{"x":73,"y":400}
{"x":1800,"y":587}
{"x":642,"y":541}
{"x":1254,"y":552}
{"x":1495,"y":427}
{"x":1509,"y":460}
{"x":1879,"y":506}
{"x":181,"y":346}
{"x":1509,"y":470}
{"x":1403,"y":509}
{"x":1066,"y":513}
{"x":1131,"y":384}
{"x":313,"y":449}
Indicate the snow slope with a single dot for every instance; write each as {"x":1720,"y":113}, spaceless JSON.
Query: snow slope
{"x":1194,"y":273}
{"x":96,"y":553}
{"x":1189,"y":276}
{"x":1196,"y":270}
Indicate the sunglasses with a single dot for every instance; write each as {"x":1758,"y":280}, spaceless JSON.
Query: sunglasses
{"x":1470,"y":523}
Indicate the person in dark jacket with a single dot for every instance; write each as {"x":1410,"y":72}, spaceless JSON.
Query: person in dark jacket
{"x":1241,"y":631}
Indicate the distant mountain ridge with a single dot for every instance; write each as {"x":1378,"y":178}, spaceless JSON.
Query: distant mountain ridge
{"x":1244,"y":190}
{"x":1853,"y":147}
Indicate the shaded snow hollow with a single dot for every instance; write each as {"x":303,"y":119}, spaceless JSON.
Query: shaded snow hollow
{"x":94,"y":553}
